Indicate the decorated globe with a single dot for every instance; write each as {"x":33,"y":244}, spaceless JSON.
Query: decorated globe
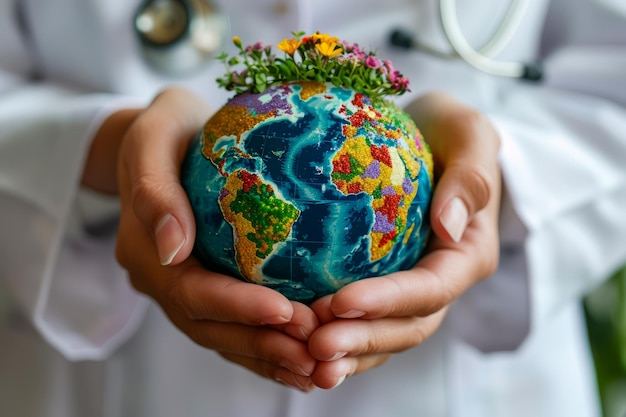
{"x":307,"y":186}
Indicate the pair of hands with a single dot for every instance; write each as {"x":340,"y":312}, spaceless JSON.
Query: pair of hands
{"x":349,"y":332}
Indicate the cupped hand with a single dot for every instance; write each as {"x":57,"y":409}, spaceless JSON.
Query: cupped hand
{"x":248,"y":324}
{"x":364,"y":323}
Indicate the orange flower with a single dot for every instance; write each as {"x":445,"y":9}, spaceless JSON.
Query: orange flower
{"x":324,"y":37}
{"x":290,"y":46}
{"x":329,"y":49}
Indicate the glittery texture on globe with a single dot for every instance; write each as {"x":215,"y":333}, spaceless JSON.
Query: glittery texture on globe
{"x":307,"y":187}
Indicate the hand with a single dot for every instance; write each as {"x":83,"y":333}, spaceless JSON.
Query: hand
{"x":248,"y":324}
{"x":367,"y":321}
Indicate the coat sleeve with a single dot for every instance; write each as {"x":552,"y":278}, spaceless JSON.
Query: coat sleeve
{"x":563,"y":222}
{"x":63,"y":278}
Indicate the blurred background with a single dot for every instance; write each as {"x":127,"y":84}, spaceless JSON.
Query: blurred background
{"x":605,"y":311}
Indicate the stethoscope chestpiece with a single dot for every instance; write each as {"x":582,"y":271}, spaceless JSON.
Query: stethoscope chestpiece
{"x":178,"y":37}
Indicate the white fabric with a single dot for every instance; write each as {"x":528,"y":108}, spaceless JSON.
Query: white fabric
{"x":513,"y":345}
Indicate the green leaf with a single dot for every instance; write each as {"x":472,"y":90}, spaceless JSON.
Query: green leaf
{"x":284,"y":70}
{"x":260,"y":78}
{"x":292,"y":66}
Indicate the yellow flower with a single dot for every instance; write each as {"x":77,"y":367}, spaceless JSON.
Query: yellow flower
{"x":237,"y":41}
{"x":324,"y":37}
{"x":289,"y":46}
{"x":328,"y":49}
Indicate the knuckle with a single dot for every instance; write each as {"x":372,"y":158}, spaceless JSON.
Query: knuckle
{"x":257,"y":346}
{"x":173,"y":292}
{"x":145,"y":189}
{"x":176,"y":293}
{"x":415,"y":337}
{"x":373,"y":342}
{"x":479,"y":185}
{"x":152,"y":197}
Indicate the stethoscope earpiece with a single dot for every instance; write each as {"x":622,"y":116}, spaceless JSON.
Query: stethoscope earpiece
{"x":533,"y":72}
{"x":402,"y":39}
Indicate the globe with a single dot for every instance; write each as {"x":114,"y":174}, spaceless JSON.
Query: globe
{"x":308,"y":187}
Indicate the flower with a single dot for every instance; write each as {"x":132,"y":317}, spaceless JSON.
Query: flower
{"x":317,"y":57}
{"x":372,"y":62}
{"x":328,"y":49}
{"x":324,"y":37}
{"x":257,"y":46}
{"x":289,"y":46}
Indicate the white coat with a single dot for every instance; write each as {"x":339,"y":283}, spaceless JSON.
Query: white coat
{"x":77,"y":341}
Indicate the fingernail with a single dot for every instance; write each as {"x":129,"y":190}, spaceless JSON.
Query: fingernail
{"x":454,"y":218}
{"x":299,"y":332}
{"x":273,"y":320}
{"x":304,"y":384}
{"x":339,"y":382}
{"x":169,"y":238}
{"x":304,"y":334}
{"x":351,"y":314}
{"x":296,"y":369}
{"x":338,"y":355}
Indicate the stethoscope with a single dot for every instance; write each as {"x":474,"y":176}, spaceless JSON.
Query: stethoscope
{"x":179,"y":36}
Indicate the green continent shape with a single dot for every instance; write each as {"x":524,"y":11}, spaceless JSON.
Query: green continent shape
{"x":260,"y":219}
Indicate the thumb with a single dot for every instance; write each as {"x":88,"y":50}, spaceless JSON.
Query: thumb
{"x":150,"y":163}
{"x":465,"y":148}
{"x":462,"y":191}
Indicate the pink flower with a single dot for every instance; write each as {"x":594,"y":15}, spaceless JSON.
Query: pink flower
{"x":354,"y":49}
{"x":239,"y":77}
{"x":372,"y":62}
{"x":401,"y":84}
{"x":347,"y":46}
{"x":255,"y":47}
{"x":392,"y":74}
{"x":388,"y":66}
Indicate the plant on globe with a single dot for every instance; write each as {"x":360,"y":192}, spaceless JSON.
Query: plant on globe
{"x":309,"y":179}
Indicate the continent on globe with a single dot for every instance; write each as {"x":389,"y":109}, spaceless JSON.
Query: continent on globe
{"x":388,"y":174}
{"x":259,"y":219}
